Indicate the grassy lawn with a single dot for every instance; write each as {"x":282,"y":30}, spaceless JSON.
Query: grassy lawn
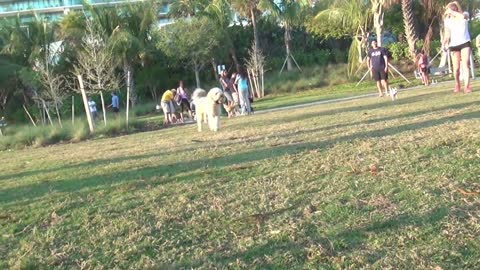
{"x":364,"y":184}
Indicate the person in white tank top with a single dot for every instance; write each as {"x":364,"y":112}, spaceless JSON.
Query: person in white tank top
{"x":457,"y":40}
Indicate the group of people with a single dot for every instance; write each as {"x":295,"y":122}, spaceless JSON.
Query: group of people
{"x":456,"y":40}
{"x":238,"y":98}
{"x":180,"y":97}
{"x":115,"y":105}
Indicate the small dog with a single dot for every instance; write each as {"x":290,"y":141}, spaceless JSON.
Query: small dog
{"x":393,"y":93}
{"x":207,"y":107}
{"x":230,"y":109}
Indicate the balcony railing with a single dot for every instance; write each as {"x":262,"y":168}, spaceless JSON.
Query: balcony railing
{"x":15,"y":8}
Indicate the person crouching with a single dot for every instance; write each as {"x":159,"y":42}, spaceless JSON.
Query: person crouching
{"x":167,"y":107}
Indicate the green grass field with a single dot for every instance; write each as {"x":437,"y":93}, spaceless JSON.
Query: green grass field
{"x":364,"y":184}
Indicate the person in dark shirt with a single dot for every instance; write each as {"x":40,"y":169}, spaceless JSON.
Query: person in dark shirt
{"x":377,"y":61}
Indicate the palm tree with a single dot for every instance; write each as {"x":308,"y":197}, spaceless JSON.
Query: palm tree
{"x":129,"y":32}
{"x":408,"y":20}
{"x":249,"y":9}
{"x":220,"y":11}
{"x":287,"y":12}
{"x":378,"y":12}
{"x":32,"y":45}
{"x":340,"y":18}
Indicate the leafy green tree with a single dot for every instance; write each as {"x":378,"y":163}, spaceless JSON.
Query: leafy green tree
{"x":192,"y":49}
{"x":35,"y":47}
{"x":8,"y":70}
{"x":186,"y":8}
{"x":219,"y":12}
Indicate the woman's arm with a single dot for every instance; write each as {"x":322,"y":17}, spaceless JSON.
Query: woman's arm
{"x":446,"y":38}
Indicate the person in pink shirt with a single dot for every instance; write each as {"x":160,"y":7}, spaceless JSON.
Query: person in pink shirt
{"x":182,"y":100}
{"x":422,"y":62}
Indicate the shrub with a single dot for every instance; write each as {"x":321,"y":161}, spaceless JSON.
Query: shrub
{"x":80,"y":132}
{"x":340,"y":56}
{"x":144,"y":109}
{"x":6,"y":142}
{"x":310,"y":77}
{"x":117,"y":126}
{"x":399,"y":50}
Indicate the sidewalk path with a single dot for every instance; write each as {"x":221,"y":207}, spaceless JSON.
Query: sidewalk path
{"x":336,"y":100}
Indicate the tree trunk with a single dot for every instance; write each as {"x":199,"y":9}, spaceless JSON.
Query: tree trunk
{"x":233,"y":53}
{"x":196,"y":68}
{"x":288,"y":38}
{"x":46,"y":111}
{"x":127,"y":66}
{"x":255,"y":31}
{"x":408,"y":20}
{"x":378,"y":13}
{"x":103,"y":109}
{"x":85,"y":103}
{"x":58,"y":115}
{"x":214,"y":66}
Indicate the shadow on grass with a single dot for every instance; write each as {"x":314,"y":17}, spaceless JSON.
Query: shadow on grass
{"x":97,"y":162}
{"x":171,"y":171}
{"x":333,"y":245}
{"x":388,"y":103}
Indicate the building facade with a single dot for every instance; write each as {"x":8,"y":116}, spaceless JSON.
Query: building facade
{"x":53,"y":9}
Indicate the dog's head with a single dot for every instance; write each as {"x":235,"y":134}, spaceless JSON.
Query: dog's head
{"x":228,"y":108}
{"x":216,"y":95}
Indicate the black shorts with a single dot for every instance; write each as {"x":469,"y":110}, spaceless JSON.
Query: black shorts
{"x":116,"y":110}
{"x":424,"y":69}
{"x":460,"y":47}
{"x":379,"y":75}
{"x":185,"y":105}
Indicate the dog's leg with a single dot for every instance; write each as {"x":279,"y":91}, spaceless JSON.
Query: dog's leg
{"x":199,"y":122}
{"x":214,"y":123}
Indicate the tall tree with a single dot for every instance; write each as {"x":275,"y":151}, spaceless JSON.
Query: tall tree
{"x":95,"y":62}
{"x":130,"y":32}
{"x":193,"y":49}
{"x":221,"y":13}
{"x":186,"y":8}
{"x":378,"y":12}
{"x":287,"y":12}
{"x":34,"y":46}
{"x":344,"y":18}
{"x":409,"y":22}
{"x":249,"y":9}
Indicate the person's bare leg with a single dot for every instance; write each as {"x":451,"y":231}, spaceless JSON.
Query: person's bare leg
{"x":379,"y":87}
{"x":465,"y":54}
{"x":456,"y":69}
{"x":165,"y":121}
{"x":385,"y":86}
{"x":181,"y":117}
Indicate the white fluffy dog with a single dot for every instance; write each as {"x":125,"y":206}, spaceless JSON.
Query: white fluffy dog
{"x":207,"y":107}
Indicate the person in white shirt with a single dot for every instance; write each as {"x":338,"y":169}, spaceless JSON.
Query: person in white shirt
{"x":93,"y":108}
{"x":457,"y":40}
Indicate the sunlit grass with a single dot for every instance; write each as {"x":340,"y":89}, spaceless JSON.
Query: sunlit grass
{"x":364,"y":184}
